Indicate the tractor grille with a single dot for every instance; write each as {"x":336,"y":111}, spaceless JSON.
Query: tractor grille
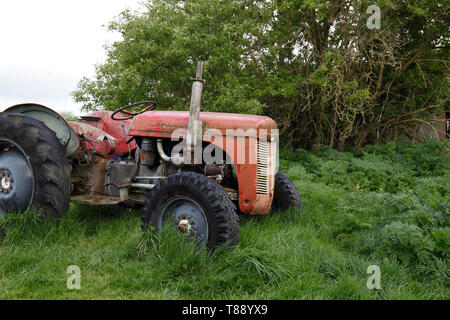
{"x":274,"y":156}
{"x":266,"y":165}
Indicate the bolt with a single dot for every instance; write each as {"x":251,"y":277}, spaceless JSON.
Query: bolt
{"x":192,"y":222}
{"x":182,"y":228}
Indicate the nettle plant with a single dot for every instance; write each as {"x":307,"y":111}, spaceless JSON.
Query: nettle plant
{"x":385,"y":201}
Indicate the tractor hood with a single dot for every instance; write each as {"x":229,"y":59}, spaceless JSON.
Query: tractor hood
{"x":164,"y":123}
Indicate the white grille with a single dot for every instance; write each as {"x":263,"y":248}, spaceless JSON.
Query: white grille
{"x":267,"y":165}
{"x":263,"y":173}
{"x":274,"y":155}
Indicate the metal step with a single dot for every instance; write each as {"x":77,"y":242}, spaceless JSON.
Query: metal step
{"x":95,"y":200}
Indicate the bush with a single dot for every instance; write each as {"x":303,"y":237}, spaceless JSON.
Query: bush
{"x":390,"y":200}
{"x":405,"y":241}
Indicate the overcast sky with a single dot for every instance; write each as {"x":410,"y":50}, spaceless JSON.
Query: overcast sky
{"x":47,"y":46}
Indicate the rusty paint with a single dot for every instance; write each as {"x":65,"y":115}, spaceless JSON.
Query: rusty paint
{"x":164,"y":123}
{"x":90,"y":180}
{"x":146,"y":158}
{"x":95,"y":200}
{"x":107,"y":135}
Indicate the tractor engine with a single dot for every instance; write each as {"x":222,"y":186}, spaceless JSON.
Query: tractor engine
{"x":108,"y":170}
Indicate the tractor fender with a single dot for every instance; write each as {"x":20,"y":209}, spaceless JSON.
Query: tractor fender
{"x":54,"y":121}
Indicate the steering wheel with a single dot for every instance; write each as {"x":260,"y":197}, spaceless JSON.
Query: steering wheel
{"x":131,"y":114}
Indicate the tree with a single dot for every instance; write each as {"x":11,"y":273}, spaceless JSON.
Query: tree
{"x":69,"y":116}
{"x":313,"y":65}
{"x":159,"y":52}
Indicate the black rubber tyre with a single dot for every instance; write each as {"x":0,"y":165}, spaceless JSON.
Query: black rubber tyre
{"x":286,"y":194}
{"x":219,"y":210}
{"x":131,"y":205}
{"x":47,"y":159}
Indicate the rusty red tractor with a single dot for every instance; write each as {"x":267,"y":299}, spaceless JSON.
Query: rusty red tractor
{"x":150,"y":159}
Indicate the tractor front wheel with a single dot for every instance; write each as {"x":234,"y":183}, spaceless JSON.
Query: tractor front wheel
{"x":196,"y":205}
{"x":286,"y":195}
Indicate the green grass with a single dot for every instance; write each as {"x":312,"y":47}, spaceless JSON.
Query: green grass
{"x":384,"y":205}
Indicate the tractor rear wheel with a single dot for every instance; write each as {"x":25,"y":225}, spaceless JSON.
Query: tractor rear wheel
{"x":196,"y":205}
{"x":34,"y":170}
{"x":286,"y":195}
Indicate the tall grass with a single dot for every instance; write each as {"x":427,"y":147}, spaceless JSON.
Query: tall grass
{"x":385,"y":205}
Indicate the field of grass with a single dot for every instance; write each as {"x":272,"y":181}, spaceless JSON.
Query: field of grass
{"x":383,"y":205}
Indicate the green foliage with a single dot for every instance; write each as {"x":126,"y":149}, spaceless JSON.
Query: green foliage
{"x":393,"y":201}
{"x":406,"y":241}
{"x":69,"y":116}
{"x":312,"y":65}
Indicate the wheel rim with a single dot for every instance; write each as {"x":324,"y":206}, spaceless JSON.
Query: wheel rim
{"x":16,"y":178}
{"x":187,"y":215}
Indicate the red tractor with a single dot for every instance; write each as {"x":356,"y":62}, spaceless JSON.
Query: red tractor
{"x":158,"y":160}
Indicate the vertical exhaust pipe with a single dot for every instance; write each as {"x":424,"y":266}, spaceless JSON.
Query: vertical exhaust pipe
{"x":194,"y":111}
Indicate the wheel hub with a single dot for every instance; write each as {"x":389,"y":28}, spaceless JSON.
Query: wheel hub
{"x":186,"y":225}
{"x":187,"y":215}
{"x":16,"y":180}
{"x":6,"y":182}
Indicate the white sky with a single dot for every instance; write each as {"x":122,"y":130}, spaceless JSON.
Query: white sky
{"x":47,"y":46}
